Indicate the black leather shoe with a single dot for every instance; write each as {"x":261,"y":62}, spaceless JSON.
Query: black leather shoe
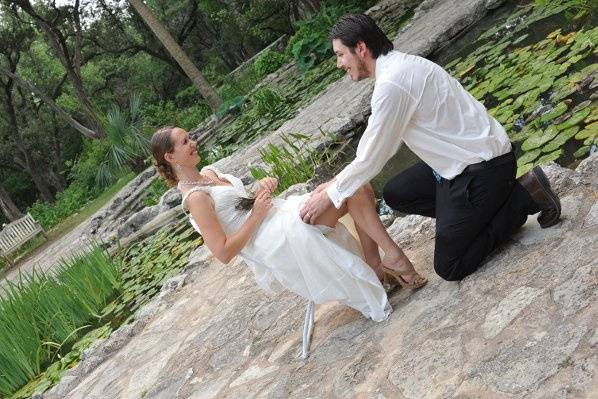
{"x":537,"y":185}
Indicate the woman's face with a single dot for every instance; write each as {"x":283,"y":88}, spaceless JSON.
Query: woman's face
{"x":185,"y":149}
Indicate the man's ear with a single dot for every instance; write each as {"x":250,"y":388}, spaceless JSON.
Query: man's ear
{"x":361,"y":49}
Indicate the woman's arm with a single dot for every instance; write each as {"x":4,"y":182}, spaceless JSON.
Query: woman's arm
{"x":224,"y":247}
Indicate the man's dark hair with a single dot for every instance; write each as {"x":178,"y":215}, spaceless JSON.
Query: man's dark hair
{"x":353,"y":28}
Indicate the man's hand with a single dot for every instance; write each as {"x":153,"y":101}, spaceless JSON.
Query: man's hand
{"x":322,"y":187}
{"x":315,"y":206}
{"x":267,"y":184}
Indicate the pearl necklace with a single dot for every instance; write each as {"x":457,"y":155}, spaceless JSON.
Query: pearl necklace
{"x":191,"y":182}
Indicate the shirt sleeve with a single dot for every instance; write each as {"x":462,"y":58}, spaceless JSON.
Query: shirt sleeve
{"x":392,"y":109}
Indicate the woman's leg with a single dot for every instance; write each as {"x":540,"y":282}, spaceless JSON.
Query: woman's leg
{"x":331,"y":216}
{"x":369,"y":246}
{"x":361,"y":207}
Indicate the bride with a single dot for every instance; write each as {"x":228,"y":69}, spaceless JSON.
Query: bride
{"x":321,"y":262}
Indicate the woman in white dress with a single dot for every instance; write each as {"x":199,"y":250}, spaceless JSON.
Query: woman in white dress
{"x":321,"y":262}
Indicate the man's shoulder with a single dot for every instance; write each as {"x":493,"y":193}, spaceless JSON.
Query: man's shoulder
{"x":398,"y":59}
{"x":406,"y":71}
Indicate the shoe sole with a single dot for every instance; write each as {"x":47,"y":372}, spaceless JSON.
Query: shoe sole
{"x":545,"y":184}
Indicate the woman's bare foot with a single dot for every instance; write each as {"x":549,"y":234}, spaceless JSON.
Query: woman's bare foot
{"x":400,"y":263}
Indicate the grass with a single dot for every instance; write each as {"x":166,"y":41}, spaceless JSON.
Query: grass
{"x":42,"y":316}
{"x":293,"y":162}
{"x":38,"y":244}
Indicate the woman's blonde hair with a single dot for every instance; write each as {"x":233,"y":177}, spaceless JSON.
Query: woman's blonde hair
{"x":161,"y":143}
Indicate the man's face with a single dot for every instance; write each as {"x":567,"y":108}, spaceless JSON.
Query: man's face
{"x":349,"y":61}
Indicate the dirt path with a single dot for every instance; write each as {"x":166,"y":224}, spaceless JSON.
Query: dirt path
{"x":71,"y":243}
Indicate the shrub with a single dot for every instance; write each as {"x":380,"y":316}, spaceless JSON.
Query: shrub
{"x":268,"y":62}
{"x":84,"y":170}
{"x":68,"y":202}
{"x":265,"y":100}
{"x":188,"y":96}
{"x":310,"y":45}
{"x":160,"y":114}
{"x":230,"y":90}
{"x":127,"y":142}
{"x":191,"y":117}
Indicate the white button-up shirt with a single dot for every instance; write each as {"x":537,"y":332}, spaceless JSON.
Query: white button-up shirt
{"x":417,"y":102}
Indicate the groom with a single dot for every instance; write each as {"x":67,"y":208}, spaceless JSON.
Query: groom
{"x":467,"y":178}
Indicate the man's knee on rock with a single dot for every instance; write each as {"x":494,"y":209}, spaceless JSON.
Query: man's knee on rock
{"x":447,"y":270}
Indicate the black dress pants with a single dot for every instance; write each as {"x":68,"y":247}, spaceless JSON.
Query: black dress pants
{"x":475,"y":212}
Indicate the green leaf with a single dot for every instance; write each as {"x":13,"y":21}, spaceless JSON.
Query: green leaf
{"x":540,"y":139}
{"x":574,"y":119}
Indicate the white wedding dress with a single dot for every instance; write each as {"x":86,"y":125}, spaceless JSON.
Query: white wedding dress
{"x":317,"y":262}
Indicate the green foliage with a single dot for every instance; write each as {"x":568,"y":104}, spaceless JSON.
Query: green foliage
{"x":231,"y":106}
{"x":163,"y":113}
{"x":155,"y":190}
{"x":128,"y":146}
{"x":148,"y":263}
{"x":190,"y":110}
{"x":266,"y":100}
{"x":310,"y":45}
{"x":191,"y":117}
{"x":574,"y":5}
{"x":534,"y":85}
{"x":293,"y":162}
{"x":230,"y":90}
{"x":215,"y":70}
{"x":42,"y":316}
{"x":125,"y":147}
{"x":188,"y":96}
{"x":83,"y":171}
{"x":67,"y":203}
{"x":268,"y":62}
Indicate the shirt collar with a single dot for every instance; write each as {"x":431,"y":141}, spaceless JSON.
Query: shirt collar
{"x":381,"y":63}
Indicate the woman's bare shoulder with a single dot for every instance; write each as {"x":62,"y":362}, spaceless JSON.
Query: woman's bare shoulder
{"x":196,"y":195}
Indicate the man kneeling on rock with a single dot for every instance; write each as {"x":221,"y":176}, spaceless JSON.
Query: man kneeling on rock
{"x":466,"y":179}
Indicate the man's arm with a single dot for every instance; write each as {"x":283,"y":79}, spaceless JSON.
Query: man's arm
{"x":392,"y":109}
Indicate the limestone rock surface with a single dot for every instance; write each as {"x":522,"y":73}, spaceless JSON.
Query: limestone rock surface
{"x":525,"y":325}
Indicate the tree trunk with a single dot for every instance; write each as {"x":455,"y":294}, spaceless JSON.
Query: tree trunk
{"x":28,"y":167}
{"x":50,"y":103}
{"x":26,"y":162}
{"x":57,"y":181}
{"x":178,"y":54}
{"x":9,"y":209}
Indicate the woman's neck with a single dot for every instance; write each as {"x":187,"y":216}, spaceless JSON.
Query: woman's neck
{"x":189,"y":174}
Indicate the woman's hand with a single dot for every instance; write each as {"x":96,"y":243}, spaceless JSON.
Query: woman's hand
{"x":267,"y":184}
{"x":261,"y":206}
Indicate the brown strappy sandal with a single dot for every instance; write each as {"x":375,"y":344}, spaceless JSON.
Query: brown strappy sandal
{"x":418,"y":282}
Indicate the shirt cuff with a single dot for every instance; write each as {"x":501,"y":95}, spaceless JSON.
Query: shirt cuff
{"x":335,"y":195}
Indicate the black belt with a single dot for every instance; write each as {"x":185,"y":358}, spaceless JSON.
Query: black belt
{"x":499,"y":160}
